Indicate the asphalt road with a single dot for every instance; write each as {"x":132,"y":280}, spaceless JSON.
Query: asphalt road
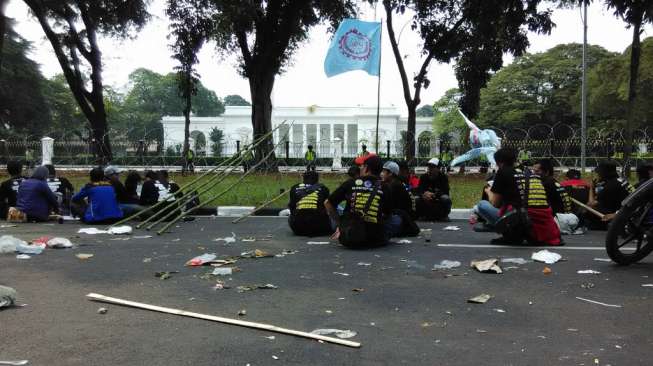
{"x":406,"y":313}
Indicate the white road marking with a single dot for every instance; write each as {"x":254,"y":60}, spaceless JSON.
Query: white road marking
{"x":489,"y":246}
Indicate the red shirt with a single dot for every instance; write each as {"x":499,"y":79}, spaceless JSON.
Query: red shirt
{"x":574,"y":183}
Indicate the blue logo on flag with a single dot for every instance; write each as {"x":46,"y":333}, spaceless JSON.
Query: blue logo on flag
{"x":355,"y":46}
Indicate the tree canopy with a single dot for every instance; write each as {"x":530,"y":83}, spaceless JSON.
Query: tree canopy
{"x":235,"y":100}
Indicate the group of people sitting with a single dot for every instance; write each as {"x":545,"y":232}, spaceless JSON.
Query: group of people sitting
{"x":104,"y":199}
{"x":378,"y":201}
{"x":528,"y":204}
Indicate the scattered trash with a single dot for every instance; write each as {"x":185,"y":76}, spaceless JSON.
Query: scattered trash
{"x":227,"y":239}
{"x":328,"y":311}
{"x":480,"y":299}
{"x":402,"y":241}
{"x":270,"y":338}
{"x":15,"y":363}
{"x":342,"y":274}
{"x":59,"y":243}
{"x":358,"y":289}
{"x":426,"y":234}
{"x":9,"y":243}
{"x":91,"y":231}
{"x":547,"y":270}
{"x":164,"y":275}
{"x":7,"y":296}
{"x":147,"y":260}
{"x":248,"y":240}
{"x":286,"y":252}
{"x":318,"y":242}
{"x":83,"y":256}
{"x":35,"y":249}
{"x":141,"y":237}
{"x":102,"y":310}
{"x":364,"y":264}
{"x":487,"y":266}
{"x":221,"y":286}
{"x":201,"y":260}
{"x":344,"y":334}
{"x":23,"y":256}
{"x":515,"y":260}
{"x":5,"y":226}
{"x":572,"y":329}
{"x":647,"y":285}
{"x":451,"y":228}
{"x":446,"y":264}
{"x":603,"y":259}
{"x":242,"y":312}
{"x":222,"y":271}
{"x":275,"y":357}
{"x":41,"y":241}
{"x":499,"y":310}
{"x":598,"y":303}
{"x":587,"y":285}
{"x":256,"y":253}
{"x":481,"y":331}
{"x":268,"y":286}
{"x":119,"y":230}
{"x":546,"y":256}
{"x":588,"y":271}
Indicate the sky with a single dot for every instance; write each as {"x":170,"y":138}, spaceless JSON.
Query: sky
{"x":304,"y":82}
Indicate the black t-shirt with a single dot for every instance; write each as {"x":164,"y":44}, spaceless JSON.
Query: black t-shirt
{"x":511,"y":184}
{"x":121,"y":192}
{"x":438,"y":185}
{"x":610,"y":194}
{"x":357,"y":192}
{"x":308,"y":198}
{"x":60,"y":185}
{"x":556,"y":195}
{"x":396,"y":197}
{"x":9,"y":193}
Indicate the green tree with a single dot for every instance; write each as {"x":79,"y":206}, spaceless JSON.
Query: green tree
{"x":447,"y":120}
{"x":216,"y":136}
{"x":235,"y":100}
{"x":265,"y":34}
{"x":475,"y":34}
{"x":23,"y":107}
{"x":73,"y":27}
{"x":67,"y":118}
{"x":538,"y":88}
{"x":425,"y":111}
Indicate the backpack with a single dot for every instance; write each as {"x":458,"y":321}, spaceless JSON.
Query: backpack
{"x":353,"y":227}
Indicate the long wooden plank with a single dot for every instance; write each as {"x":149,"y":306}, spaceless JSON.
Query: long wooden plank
{"x":588,"y":208}
{"x":268,"y":327}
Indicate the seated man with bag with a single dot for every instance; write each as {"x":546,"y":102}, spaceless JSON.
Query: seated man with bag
{"x":96,"y":202}
{"x":434,"y":202}
{"x":308,"y":216}
{"x":517,"y":205}
{"x":35,"y":200}
{"x":361,"y":225}
{"x":558,"y":197}
{"x":398,"y":203}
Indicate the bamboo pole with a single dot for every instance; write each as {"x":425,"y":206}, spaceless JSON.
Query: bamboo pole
{"x":185,"y":212}
{"x":195,"y":180}
{"x":242,"y":323}
{"x":588,"y":208}
{"x":259,"y":208}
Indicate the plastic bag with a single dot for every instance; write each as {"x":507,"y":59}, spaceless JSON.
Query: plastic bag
{"x":7,"y":296}
{"x":58,"y":243}
{"x":9,"y":243}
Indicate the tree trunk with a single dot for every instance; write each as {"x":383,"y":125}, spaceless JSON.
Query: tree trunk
{"x":3,"y":27}
{"x":187,"y":109}
{"x":261,"y":89}
{"x":99,"y":129}
{"x":635,"y":52}
{"x":410,"y":133}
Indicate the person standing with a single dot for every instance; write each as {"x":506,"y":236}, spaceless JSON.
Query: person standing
{"x":310,"y":158}
{"x":434,"y":202}
{"x":364,"y":151}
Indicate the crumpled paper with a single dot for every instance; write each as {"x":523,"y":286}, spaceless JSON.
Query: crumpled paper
{"x":546,"y":256}
{"x":487,"y":266}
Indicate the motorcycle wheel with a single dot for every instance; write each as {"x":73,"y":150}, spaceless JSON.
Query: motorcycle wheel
{"x":629,"y":236}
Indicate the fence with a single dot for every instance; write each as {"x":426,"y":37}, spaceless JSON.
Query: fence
{"x":561,"y":142}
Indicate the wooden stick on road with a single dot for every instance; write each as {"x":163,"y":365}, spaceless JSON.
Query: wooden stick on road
{"x":268,"y":327}
{"x":588,"y":208}
{"x":259,"y":208}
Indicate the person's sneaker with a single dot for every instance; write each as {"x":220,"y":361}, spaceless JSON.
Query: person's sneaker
{"x":503,"y":241}
{"x":444,"y":219}
{"x":480,"y":227}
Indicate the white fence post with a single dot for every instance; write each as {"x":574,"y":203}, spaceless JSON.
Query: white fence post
{"x":47,"y":150}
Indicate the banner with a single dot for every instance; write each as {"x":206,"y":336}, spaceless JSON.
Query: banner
{"x":355,"y":46}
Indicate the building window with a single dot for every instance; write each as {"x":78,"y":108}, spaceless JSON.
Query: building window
{"x":352,"y":139}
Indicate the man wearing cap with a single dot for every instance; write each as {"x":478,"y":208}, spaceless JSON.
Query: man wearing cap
{"x":606,"y":194}
{"x":398,"y":203}
{"x":361,"y":225}
{"x":433,"y":202}
{"x":126,"y":202}
{"x":308,"y":216}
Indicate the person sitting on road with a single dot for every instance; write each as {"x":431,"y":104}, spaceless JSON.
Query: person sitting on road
{"x":644,"y":173}
{"x":61,"y":187}
{"x":101,"y":205}
{"x":308,"y":216}
{"x":398,"y":204}
{"x":133,"y":187}
{"x":9,"y":188}
{"x":35,"y":200}
{"x":606,"y":195}
{"x":410,"y":180}
{"x":510,"y":193}
{"x":125,"y":200}
{"x":157,"y":188}
{"x":434,"y":202}
{"x":578,"y":189}
{"x":361,"y":225}
{"x":557,"y":196}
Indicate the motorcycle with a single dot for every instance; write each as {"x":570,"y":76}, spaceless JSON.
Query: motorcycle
{"x":630,"y":234}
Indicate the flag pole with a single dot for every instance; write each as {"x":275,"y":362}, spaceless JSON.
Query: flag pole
{"x":378,"y":89}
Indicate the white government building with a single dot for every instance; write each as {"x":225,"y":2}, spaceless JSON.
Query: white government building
{"x":314,"y":125}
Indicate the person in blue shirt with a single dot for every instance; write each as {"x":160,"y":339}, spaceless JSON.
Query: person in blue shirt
{"x":102,"y":205}
{"x":35,"y":199}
